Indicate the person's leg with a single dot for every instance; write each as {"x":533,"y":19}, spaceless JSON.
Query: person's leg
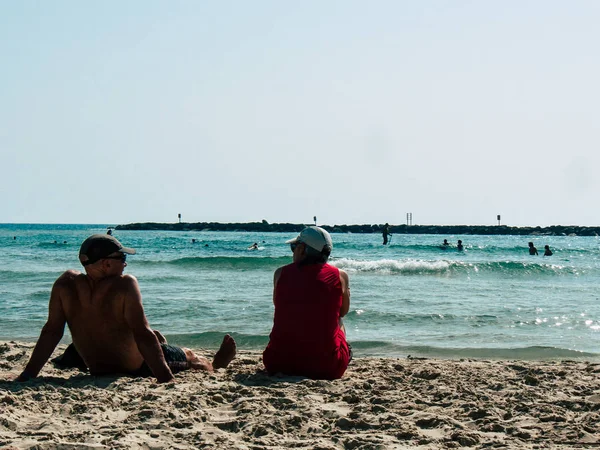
{"x":225,"y":354}
{"x":222,"y":358}
{"x":160,"y":337}
{"x":343,"y":329}
{"x":70,"y":359}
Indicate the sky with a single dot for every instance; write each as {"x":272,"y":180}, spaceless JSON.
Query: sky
{"x":355,"y":112}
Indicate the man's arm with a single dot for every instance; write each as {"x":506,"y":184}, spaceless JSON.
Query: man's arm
{"x":345,"y":293}
{"x":145,"y":338}
{"x":52,"y":332}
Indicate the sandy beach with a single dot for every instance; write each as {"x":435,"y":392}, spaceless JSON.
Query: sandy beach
{"x":380,"y":403}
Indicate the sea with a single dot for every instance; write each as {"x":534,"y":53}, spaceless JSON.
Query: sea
{"x":411,"y":297}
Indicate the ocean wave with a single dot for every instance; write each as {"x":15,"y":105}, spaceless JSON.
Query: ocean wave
{"x":407,"y":266}
{"x":392,"y":266}
{"x":398,"y":318}
{"x":472,"y":247}
{"x":55,"y":244}
{"x":8,"y":276}
{"x":221,"y":262}
{"x":424,"y":267}
{"x":212,"y":340}
{"x":533,"y":353}
{"x":517,"y":267}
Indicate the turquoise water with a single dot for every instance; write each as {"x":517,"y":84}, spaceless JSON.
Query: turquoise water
{"x":493,"y":300}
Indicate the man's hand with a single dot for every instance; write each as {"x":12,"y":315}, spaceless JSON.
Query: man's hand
{"x":25,"y":376}
{"x":166,"y":379}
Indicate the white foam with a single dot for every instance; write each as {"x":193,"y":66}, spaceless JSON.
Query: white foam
{"x":391,"y":265}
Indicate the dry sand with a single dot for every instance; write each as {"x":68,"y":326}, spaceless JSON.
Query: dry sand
{"x":380,"y":403}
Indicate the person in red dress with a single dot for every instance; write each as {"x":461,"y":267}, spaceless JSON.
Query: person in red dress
{"x":310,"y":297}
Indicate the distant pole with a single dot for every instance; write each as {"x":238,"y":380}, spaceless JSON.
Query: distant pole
{"x":315,"y":219}
{"x":498,"y":217}
{"x":179,"y":217}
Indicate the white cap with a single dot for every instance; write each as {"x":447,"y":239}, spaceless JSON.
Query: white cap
{"x":314,"y":237}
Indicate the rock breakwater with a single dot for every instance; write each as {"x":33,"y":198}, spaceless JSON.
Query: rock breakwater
{"x":264,"y":226}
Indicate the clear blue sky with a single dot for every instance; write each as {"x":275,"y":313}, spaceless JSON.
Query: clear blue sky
{"x":353,"y":111}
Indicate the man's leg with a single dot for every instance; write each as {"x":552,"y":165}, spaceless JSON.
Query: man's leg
{"x":160,"y":337}
{"x":71,"y":358}
{"x":222,"y":358}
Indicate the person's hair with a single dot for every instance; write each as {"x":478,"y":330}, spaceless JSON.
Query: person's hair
{"x":313,"y":256}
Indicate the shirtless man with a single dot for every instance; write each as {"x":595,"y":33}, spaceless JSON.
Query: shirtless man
{"x":104,"y":312}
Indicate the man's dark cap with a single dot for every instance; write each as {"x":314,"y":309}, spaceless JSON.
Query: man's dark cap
{"x":100,"y":246}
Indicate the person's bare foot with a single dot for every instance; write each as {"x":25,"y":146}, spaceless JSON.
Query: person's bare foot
{"x":199,"y":362}
{"x":225,"y":354}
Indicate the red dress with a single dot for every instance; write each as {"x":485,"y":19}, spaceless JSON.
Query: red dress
{"x":306,"y":338}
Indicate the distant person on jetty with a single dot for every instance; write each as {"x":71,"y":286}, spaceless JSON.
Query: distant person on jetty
{"x":547,"y":251}
{"x":310,"y":298}
{"x":459,"y":246}
{"x":385,"y":233}
{"x":532,"y":249}
{"x":104,"y":312}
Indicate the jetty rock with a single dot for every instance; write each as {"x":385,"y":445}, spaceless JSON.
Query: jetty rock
{"x":264,"y":226}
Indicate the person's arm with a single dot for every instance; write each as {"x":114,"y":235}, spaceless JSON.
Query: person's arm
{"x":146,"y":340}
{"x":276,"y":276}
{"x":51,"y":333}
{"x":345,"y":293}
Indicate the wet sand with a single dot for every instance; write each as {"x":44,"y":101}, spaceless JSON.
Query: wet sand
{"x":381,"y":403}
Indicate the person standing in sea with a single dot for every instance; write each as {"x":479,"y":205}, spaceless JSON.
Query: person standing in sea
{"x":310,"y":298}
{"x":385,"y":233}
{"x":532,"y":249}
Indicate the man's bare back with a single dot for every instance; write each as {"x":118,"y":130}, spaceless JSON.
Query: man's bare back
{"x":104,"y":312}
{"x":96,"y":314}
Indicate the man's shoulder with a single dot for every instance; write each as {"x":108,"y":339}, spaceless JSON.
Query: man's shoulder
{"x":127,"y":278}
{"x":69,"y":276}
{"x":124,"y":281}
